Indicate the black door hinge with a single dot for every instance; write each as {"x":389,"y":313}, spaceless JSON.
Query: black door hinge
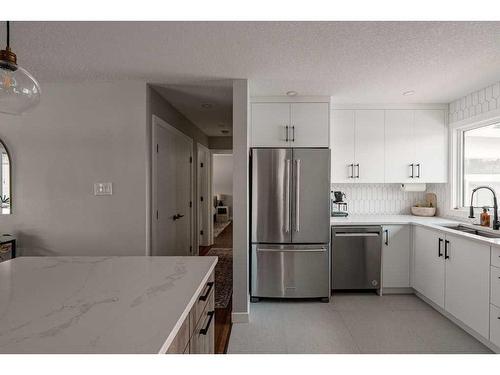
{"x":156,"y":214}
{"x":201,"y":199}
{"x":201,"y":232}
{"x":190,"y":159}
{"x":157,"y":148}
{"x":190,"y":204}
{"x":201,"y":165}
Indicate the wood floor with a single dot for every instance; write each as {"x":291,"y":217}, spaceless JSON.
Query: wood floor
{"x":223,"y":323}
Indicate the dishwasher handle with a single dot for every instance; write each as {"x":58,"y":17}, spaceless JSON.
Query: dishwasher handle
{"x":356,"y":234}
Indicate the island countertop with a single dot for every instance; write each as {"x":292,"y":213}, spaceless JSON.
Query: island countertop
{"x":97,"y":304}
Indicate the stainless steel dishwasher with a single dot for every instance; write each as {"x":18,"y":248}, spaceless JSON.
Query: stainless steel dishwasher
{"x":356,"y":257}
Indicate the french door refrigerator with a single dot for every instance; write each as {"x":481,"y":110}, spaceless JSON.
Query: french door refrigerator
{"x":290,"y":225}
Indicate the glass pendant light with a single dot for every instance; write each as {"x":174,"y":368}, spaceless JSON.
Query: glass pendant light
{"x":19,"y":91}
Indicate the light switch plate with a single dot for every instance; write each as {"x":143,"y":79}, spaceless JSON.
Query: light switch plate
{"x":103,"y":188}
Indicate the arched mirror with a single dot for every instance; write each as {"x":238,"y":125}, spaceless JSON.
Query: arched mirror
{"x":5,"y":175}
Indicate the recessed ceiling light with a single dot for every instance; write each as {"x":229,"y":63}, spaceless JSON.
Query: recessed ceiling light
{"x":206,"y":105}
{"x":291,"y":93}
{"x":408,"y":93}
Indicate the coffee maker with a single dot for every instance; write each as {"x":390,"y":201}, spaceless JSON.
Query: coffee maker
{"x":338,"y":206}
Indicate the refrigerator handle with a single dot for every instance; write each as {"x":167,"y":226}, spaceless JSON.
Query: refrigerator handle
{"x":287,"y":195}
{"x":297,"y":195}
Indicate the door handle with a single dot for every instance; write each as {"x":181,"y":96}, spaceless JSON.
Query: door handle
{"x":287,"y":196}
{"x":286,"y":133}
{"x":446,"y":243}
{"x":204,"y":330}
{"x":440,"y":254}
{"x":297,"y":195}
{"x":177,"y":217}
{"x":412,"y":171}
{"x":418,"y":170}
{"x":386,"y":237}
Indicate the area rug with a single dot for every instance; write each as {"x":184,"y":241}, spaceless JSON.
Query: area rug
{"x":219,"y":227}
{"x":223,"y":276}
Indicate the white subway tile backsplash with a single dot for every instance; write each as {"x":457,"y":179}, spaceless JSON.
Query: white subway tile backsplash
{"x":385,"y":199}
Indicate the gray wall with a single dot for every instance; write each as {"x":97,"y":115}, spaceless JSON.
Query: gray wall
{"x":220,"y":143}
{"x":81,"y":133}
{"x":158,"y":106}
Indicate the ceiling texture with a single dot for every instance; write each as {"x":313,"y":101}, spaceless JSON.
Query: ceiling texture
{"x":355,"y":62}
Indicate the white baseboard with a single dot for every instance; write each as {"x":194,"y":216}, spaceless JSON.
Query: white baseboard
{"x":397,"y":290}
{"x":240,"y":317}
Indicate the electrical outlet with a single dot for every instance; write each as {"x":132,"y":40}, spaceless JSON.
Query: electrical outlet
{"x":103,"y":188}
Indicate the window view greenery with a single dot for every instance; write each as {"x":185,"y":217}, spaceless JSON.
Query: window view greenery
{"x":481,"y":163}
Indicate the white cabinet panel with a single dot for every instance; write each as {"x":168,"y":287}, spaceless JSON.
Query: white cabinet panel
{"x":369,"y":146}
{"x":310,"y":124}
{"x":495,"y":286}
{"x":399,"y":146}
{"x":396,"y":256}
{"x":467,"y":282}
{"x":269,"y":123}
{"x":429,"y":132}
{"x":342,"y":144}
{"x":495,"y":325}
{"x":429,"y":267}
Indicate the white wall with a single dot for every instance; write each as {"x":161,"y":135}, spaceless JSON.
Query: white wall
{"x":241,"y":138}
{"x":222,"y":168}
{"x":80,"y":133}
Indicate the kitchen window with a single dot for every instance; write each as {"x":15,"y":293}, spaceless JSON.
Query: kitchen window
{"x":478,"y":164}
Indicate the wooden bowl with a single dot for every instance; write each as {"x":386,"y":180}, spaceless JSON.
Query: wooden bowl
{"x":423,"y":211}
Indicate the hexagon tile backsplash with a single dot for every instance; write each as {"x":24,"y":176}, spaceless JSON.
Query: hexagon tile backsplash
{"x":476,"y":103}
{"x":384,"y":199}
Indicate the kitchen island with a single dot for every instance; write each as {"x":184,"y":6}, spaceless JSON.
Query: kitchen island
{"x":100,"y":304}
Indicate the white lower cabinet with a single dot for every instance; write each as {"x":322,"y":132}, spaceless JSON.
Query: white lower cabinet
{"x":396,"y":256}
{"x":454,"y":273}
{"x":467,"y":292}
{"x":495,"y":325}
{"x":428,"y":266}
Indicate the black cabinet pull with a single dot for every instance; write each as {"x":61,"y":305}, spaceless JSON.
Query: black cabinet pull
{"x":386,"y":237}
{"x":412,"y":171}
{"x":418,"y":170}
{"x":352,"y":170}
{"x":293,"y":133}
{"x":204,"y":331}
{"x":440,"y":254}
{"x":286,"y":133}
{"x":357,"y":174}
{"x":207,"y":293}
{"x":446,"y":243}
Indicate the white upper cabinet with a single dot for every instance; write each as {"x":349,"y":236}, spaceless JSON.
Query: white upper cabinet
{"x":310,"y":124}
{"x":290,"y":124}
{"x":429,"y":132}
{"x":342,"y":144}
{"x":369,"y":146}
{"x":357,"y":141}
{"x":400,"y":150}
{"x":270,"y":122}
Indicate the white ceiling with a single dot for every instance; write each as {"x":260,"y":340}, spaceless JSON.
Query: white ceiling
{"x":190,"y":99}
{"x":370,"y":62}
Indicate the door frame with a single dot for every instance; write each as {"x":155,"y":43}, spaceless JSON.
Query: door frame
{"x":214,"y":152}
{"x":160,"y":122}
{"x":206,"y":191}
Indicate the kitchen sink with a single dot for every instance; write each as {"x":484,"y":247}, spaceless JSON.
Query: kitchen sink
{"x":477,"y":232}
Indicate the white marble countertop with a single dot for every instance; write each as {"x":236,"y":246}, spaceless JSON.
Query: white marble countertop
{"x":434,"y":222}
{"x":97,"y":304}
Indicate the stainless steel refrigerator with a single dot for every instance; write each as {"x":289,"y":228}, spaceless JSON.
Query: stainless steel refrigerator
{"x":290,"y":226}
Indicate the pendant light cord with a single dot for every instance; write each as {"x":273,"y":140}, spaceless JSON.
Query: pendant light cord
{"x":8,"y":34}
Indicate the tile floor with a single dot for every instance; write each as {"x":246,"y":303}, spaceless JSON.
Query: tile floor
{"x":351,"y":323}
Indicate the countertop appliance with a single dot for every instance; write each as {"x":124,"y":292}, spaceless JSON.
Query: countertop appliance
{"x":356,"y":257}
{"x":290,"y":225}
{"x":338,"y":206}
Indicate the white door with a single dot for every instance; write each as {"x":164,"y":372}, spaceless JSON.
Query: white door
{"x":396,"y":256}
{"x":369,"y":146}
{"x":172,"y":176}
{"x":270,"y":123}
{"x":310,"y":124}
{"x":429,"y":268}
{"x":467,"y":295}
{"x":342,"y":145}
{"x":399,"y":146}
{"x":429,"y":131}
{"x":204,"y":196}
